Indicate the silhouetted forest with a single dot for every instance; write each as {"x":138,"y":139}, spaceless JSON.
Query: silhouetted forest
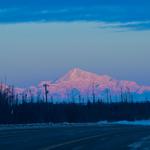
{"x":14,"y":112}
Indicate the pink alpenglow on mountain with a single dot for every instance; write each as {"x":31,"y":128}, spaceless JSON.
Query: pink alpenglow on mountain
{"x":85,"y":82}
{"x":81,"y":83}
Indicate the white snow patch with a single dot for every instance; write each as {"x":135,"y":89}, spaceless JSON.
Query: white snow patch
{"x":42,"y":125}
{"x":66,"y":124}
{"x":142,"y":144}
{"x":137,"y":122}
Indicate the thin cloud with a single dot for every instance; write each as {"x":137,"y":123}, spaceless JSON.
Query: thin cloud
{"x":132,"y":17}
{"x":137,"y":25}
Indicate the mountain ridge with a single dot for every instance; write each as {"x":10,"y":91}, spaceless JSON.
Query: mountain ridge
{"x":80,"y":82}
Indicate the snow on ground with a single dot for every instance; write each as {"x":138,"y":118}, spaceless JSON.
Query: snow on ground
{"x":141,"y":144}
{"x":41,"y":125}
{"x":137,"y":122}
{"x":65,"y":124}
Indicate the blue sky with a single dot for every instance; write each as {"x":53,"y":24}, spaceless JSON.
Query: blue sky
{"x":41,"y":40}
{"x":65,"y":10}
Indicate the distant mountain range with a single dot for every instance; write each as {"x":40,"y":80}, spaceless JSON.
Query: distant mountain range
{"x":79,"y":83}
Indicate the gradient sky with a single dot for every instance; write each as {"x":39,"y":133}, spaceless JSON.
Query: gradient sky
{"x":43,"y":40}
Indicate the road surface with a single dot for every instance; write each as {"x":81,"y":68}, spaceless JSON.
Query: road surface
{"x":85,"y":137}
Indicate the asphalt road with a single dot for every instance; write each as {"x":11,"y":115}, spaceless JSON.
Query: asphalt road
{"x":92,"y":137}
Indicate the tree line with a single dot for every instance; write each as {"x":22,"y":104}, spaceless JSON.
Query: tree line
{"x":12,"y":111}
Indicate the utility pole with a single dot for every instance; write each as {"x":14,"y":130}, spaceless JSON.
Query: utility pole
{"x":107,"y":95}
{"x":93,"y":93}
{"x":122,"y":98}
{"x":46,"y":92}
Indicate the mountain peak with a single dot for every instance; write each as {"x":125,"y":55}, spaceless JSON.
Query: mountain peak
{"x":76,"y":70}
{"x":77,"y":74}
{"x":74,"y":74}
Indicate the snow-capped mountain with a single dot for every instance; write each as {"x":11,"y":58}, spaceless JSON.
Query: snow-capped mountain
{"x":79,"y":82}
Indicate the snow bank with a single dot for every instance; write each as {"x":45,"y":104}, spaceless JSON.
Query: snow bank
{"x":66,"y":124}
{"x":138,"y":122}
{"x":42,"y":125}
